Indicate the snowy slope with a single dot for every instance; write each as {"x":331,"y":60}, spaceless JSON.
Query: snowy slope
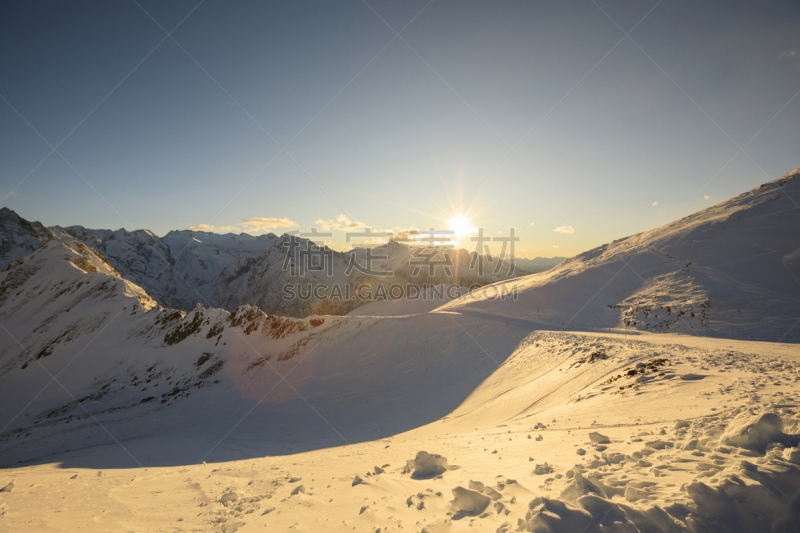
{"x":122,"y":356}
{"x":517,"y":413}
{"x":316,"y":424}
{"x":730,"y":270}
{"x":200,"y":257}
{"x":55,"y":309}
{"x":178,"y":269}
{"x":422,"y":302}
{"x":538,"y":264}
{"x":53,"y":303}
{"x":139,"y":256}
{"x":67,"y":314}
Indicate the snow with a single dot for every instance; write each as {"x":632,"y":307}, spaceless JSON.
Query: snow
{"x":494,"y":410}
{"x":538,"y":264}
{"x":468,"y":417}
{"x":189,"y":267}
{"x":426,"y":465}
{"x":179,"y":269}
{"x":727,"y":271}
{"x":756,"y":432}
{"x":469,"y":502}
{"x":424,"y":302}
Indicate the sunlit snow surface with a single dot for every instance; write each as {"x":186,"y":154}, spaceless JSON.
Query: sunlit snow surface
{"x":215,"y":421}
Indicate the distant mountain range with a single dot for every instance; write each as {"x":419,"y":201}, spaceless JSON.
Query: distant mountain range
{"x":84,"y":304}
{"x":538,"y":264}
{"x":186,"y":267}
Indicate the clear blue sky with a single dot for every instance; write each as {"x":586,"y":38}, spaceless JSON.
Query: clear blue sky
{"x":610,"y":135}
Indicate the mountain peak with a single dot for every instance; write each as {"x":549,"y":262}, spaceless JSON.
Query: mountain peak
{"x":18,"y":237}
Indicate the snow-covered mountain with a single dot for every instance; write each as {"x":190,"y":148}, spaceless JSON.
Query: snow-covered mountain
{"x":139,"y":256}
{"x":732,"y":270}
{"x":64,"y":308}
{"x":188,"y":267}
{"x":179,"y":269}
{"x":545,"y":430}
{"x":200,"y":258}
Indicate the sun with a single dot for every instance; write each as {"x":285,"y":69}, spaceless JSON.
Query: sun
{"x":460,"y":224}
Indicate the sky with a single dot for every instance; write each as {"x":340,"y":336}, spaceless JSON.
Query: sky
{"x":575,"y":123}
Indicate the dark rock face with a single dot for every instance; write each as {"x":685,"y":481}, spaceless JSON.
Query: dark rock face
{"x":18,"y":237}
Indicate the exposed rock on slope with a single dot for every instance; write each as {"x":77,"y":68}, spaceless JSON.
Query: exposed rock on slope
{"x":18,"y":237}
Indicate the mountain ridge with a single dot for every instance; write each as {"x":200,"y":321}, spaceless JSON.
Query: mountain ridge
{"x":187,"y":267}
{"x":139,"y":369}
{"x":736,"y":261}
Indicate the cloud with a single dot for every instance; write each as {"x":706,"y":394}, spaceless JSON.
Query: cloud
{"x":249,"y":224}
{"x":406,"y":235}
{"x":381,"y":236}
{"x":342,"y":223}
{"x":654,"y":204}
{"x":556,"y":246}
{"x":263,"y":224}
{"x":706,"y":197}
{"x":789,"y":54}
{"x":9,"y":195}
{"x":214,"y":229}
{"x":532,"y":223}
{"x":564,"y":229}
{"x":326,"y":225}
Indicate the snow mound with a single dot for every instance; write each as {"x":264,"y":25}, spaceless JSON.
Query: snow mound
{"x":579,"y":487}
{"x":469,"y":502}
{"x":756,"y":432}
{"x":599,"y":438}
{"x":553,"y":516}
{"x":426,"y":465}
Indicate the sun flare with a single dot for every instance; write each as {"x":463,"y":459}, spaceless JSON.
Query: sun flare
{"x":461,"y":225}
